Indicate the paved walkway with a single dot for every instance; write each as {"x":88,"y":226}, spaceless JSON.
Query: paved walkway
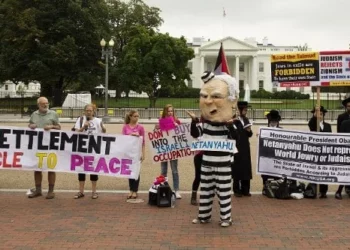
{"x":111,"y":223}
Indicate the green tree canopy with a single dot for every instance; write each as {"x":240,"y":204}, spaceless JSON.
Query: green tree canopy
{"x":53,"y":41}
{"x":125,"y":16}
{"x":152,"y":61}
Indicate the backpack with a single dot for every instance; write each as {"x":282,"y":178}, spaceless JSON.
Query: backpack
{"x":81,"y":122}
{"x":279,"y":189}
{"x":270,"y":188}
{"x":310,"y":191}
{"x":283,"y":192}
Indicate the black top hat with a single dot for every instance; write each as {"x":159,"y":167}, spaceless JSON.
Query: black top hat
{"x":273,"y":115}
{"x":345,"y":102}
{"x":207,"y":76}
{"x":242,"y":104}
{"x":322,"y":109}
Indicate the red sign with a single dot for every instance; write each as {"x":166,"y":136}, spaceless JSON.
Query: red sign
{"x":294,"y":84}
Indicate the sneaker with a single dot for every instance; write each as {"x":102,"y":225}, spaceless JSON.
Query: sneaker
{"x":226,"y":223}
{"x":50,"y":195}
{"x":177,"y":195}
{"x":198,"y":221}
{"x":33,"y":193}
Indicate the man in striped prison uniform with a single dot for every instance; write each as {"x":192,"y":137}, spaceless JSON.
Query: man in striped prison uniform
{"x":218,"y":97}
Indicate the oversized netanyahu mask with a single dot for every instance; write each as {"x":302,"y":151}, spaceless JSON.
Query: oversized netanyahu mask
{"x":218,"y":97}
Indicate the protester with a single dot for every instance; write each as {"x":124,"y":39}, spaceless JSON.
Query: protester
{"x":46,"y":119}
{"x":88,"y":124}
{"x":132,"y":127}
{"x":273,"y":121}
{"x":242,"y":165}
{"x":342,"y":118}
{"x":168,"y":112}
{"x":324,"y":127}
{"x":218,"y":97}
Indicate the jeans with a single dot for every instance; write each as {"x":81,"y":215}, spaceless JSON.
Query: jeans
{"x":164,"y":172}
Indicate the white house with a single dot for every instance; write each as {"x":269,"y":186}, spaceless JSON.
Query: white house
{"x":248,"y":60}
{"x":10,"y":89}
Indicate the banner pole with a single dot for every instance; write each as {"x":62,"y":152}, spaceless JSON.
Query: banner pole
{"x":318,"y":105}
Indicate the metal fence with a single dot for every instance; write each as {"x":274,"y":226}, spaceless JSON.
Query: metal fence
{"x":154,"y":113}
{"x":290,"y":109}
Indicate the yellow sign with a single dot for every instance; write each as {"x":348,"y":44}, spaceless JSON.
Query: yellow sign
{"x":294,"y":57}
{"x":110,"y":111}
{"x":59,"y":111}
{"x":339,"y":83}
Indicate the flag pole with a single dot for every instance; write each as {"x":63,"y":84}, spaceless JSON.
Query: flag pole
{"x":223,"y":22}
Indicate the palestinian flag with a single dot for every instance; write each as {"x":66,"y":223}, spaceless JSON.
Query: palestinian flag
{"x":221,"y":65}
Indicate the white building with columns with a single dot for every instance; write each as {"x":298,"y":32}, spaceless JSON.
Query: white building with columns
{"x":248,"y":61}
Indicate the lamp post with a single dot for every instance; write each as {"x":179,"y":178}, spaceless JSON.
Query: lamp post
{"x":107,"y":52}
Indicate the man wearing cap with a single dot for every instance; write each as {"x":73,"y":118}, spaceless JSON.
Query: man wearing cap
{"x":218,"y":97}
{"x":242,"y":165}
{"x":324,"y":127}
{"x":273,"y":121}
{"x":341,"y":128}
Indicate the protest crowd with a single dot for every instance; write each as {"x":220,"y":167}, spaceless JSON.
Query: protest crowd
{"x":218,"y":142}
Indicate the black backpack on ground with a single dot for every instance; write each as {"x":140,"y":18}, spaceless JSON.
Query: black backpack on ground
{"x":283,"y":191}
{"x":310,"y":191}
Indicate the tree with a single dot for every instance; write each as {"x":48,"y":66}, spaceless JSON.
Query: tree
{"x":124,"y":17}
{"x":152,"y":61}
{"x":53,"y":41}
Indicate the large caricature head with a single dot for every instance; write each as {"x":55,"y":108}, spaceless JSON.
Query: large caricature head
{"x":218,"y":97}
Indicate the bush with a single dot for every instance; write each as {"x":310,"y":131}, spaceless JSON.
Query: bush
{"x":285,"y":94}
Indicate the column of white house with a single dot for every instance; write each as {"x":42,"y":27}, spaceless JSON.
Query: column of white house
{"x":202,"y":65}
{"x":237,"y":69}
{"x":254,"y":74}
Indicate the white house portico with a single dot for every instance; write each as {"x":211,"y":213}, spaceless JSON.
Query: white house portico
{"x":248,"y":60}
{"x":241,"y":59}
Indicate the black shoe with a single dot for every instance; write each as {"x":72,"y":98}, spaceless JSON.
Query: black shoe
{"x":338,"y":196}
{"x":247,"y":194}
{"x":237,"y":194}
{"x":264,"y":191}
{"x":323,"y":196}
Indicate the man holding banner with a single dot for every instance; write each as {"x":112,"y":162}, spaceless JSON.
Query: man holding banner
{"x":46,"y":119}
{"x":324,"y":127}
{"x":342,"y":118}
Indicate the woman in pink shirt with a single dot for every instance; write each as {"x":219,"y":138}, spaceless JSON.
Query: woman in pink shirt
{"x":168,"y":111}
{"x":132,"y":127}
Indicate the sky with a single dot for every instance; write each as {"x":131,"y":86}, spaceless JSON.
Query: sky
{"x":322,"y":24}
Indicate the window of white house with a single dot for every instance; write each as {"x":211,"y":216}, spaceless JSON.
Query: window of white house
{"x":241,"y":85}
{"x":190,"y":83}
{"x":302,"y":89}
{"x":261,"y":67}
{"x":241,"y":67}
{"x":288,"y":88}
{"x":274,"y":90}
{"x":6,"y":87}
{"x":261,"y":84}
{"x":209,"y":66}
{"x":190,"y":65}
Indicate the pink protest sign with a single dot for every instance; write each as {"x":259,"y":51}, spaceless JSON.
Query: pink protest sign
{"x":166,"y":123}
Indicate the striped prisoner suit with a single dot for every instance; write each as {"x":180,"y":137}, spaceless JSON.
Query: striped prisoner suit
{"x":215,"y":170}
